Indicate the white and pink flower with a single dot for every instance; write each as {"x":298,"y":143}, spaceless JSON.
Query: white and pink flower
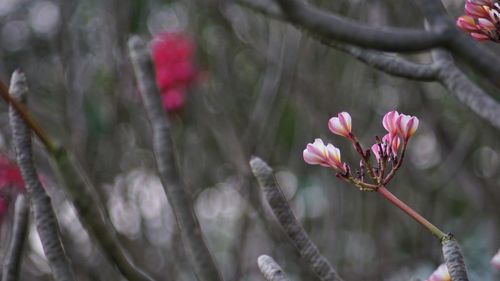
{"x":407,"y":125}
{"x":393,"y":142}
{"x":318,"y":153}
{"x":440,"y":274}
{"x":341,"y":125}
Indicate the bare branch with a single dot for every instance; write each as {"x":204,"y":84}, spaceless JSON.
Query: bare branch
{"x":298,"y":237}
{"x":177,"y":194}
{"x":453,"y":79}
{"x":454,"y":259}
{"x":45,"y":219}
{"x":341,"y":29}
{"x":390,"y":64}
{"x":271,"y":269}
{"x":13,"y":257}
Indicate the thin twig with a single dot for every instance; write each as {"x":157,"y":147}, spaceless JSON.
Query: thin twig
{"x":271,"y":269}
{"x":13,"y":257}
{"x":45,"y":219}
{"x":177,"y":194}
{"x":454,"y":259}
{"x":298,"y":237}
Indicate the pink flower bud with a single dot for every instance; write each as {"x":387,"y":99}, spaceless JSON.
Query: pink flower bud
{"x":390,"y":122}
{"x":486,"y":24}
{"x":341,"y":125}
{"x":318,"y":153}
{"x":479,"y":36}
{"x":376,"y":151}
{"x":467,"y":23}
{"x":495,"y":261}
{"x":475,"y":10}
{"x":440,"y":274}
{"x":392,"y":141}
{"x":407,"y":125}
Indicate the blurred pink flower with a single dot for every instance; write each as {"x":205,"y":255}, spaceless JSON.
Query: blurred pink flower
{"x":495,"y":261}
{"x":481,"y":20}
{"x":10,"y":175}
{"x":407,"y":125}
{"x":440,"y":274}
{"x":318,"y":153}
{"x":175,"y":72}
{"x":341,"y":125}
{"x":11,"y":183}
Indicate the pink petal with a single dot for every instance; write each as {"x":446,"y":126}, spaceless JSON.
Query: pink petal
{"x":479,"y":36}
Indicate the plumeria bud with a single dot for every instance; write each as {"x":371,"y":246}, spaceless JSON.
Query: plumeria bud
{"x":376,"y":151}
{"x":341,"y":125}
{"x":318,"y":153}
{"x":390,"y":122}
{"x":440,"y":274}
{"x":495,"y":261}
{"x":481,"y":20}
{"x":467,"y":23}
{"x":392,"y":141}
{"x":407,"y":125}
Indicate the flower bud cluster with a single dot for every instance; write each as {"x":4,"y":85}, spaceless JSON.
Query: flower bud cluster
{"x":481,"y":20}
{"x":400,"y":128}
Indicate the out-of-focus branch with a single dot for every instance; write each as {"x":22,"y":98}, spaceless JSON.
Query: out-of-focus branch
{"x":45,"y":219}
{"x":453,"y":79}
{"x":13,"y":257}
{"x":83,"y":195}
{"x":271,"y":269}
{"x":298,"y":237}
{"x":390,"y":64}
{"x":454,"y":259}
{"x":23,"y":113}
{"x":342,"y":29}
{"x":177,"y":194}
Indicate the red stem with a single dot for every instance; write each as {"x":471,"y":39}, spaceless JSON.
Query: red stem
{"x":416,"y":216}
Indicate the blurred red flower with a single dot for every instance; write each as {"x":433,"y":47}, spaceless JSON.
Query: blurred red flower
{"x":175,"y":72}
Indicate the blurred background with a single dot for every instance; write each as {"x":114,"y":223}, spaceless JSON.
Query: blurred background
{"x":254,"y":86}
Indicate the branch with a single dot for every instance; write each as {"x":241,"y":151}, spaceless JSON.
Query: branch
{"x":270,"y":269}
{"x":453,"y":79}
{"x":454,"y":259}
{"x":342,"y":29}
{"x":12,"y":260}
{"x":298,"y":237}
{"x":83,"y":195}
{"x":45,"y":219}
{"x":389,"y":64}
{"x":177,"y":194}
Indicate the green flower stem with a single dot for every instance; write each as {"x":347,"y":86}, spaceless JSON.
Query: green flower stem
{"x":416,"y":216}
